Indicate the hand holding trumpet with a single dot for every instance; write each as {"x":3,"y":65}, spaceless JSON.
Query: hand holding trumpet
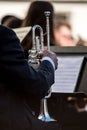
{"x":51,"y":55}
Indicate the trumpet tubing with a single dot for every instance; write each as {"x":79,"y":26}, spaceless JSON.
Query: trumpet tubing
{"x":38,"y":41}
{"x":37,"y":46}
{"x":47,"y":14}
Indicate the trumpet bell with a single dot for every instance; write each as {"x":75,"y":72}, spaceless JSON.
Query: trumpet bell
{"x":44,"y":115}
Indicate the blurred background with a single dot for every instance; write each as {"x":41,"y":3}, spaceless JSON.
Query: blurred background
{"x":74,"y":11}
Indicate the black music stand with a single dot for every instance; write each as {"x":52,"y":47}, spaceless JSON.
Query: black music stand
{"x":71,"y":75}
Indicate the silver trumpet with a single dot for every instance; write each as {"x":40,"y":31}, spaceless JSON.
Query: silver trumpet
{"x":34,"y":60}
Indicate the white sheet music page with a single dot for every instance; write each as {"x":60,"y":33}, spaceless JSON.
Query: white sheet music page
{"x":66,"y":76}
{"x":22,"y":32}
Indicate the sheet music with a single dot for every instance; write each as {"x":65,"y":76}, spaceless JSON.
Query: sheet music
{"x":22,"y":32}
{"x":66,"y":76}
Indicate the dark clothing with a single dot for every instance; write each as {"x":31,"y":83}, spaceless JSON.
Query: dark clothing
{"x":18,"y":81}
{"x":74,"y":120}
{"x":16,"y":71}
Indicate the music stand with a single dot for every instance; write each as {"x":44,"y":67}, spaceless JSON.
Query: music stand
{"x":70,"y":77}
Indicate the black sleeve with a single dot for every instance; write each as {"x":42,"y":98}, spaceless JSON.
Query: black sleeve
{"x":14,"y":68}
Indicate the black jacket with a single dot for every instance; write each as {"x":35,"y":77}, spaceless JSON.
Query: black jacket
{"x":15,"y":71}
{"x":17,"y":81}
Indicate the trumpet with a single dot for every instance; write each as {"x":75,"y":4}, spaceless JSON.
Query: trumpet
{"x":34,"y":59}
